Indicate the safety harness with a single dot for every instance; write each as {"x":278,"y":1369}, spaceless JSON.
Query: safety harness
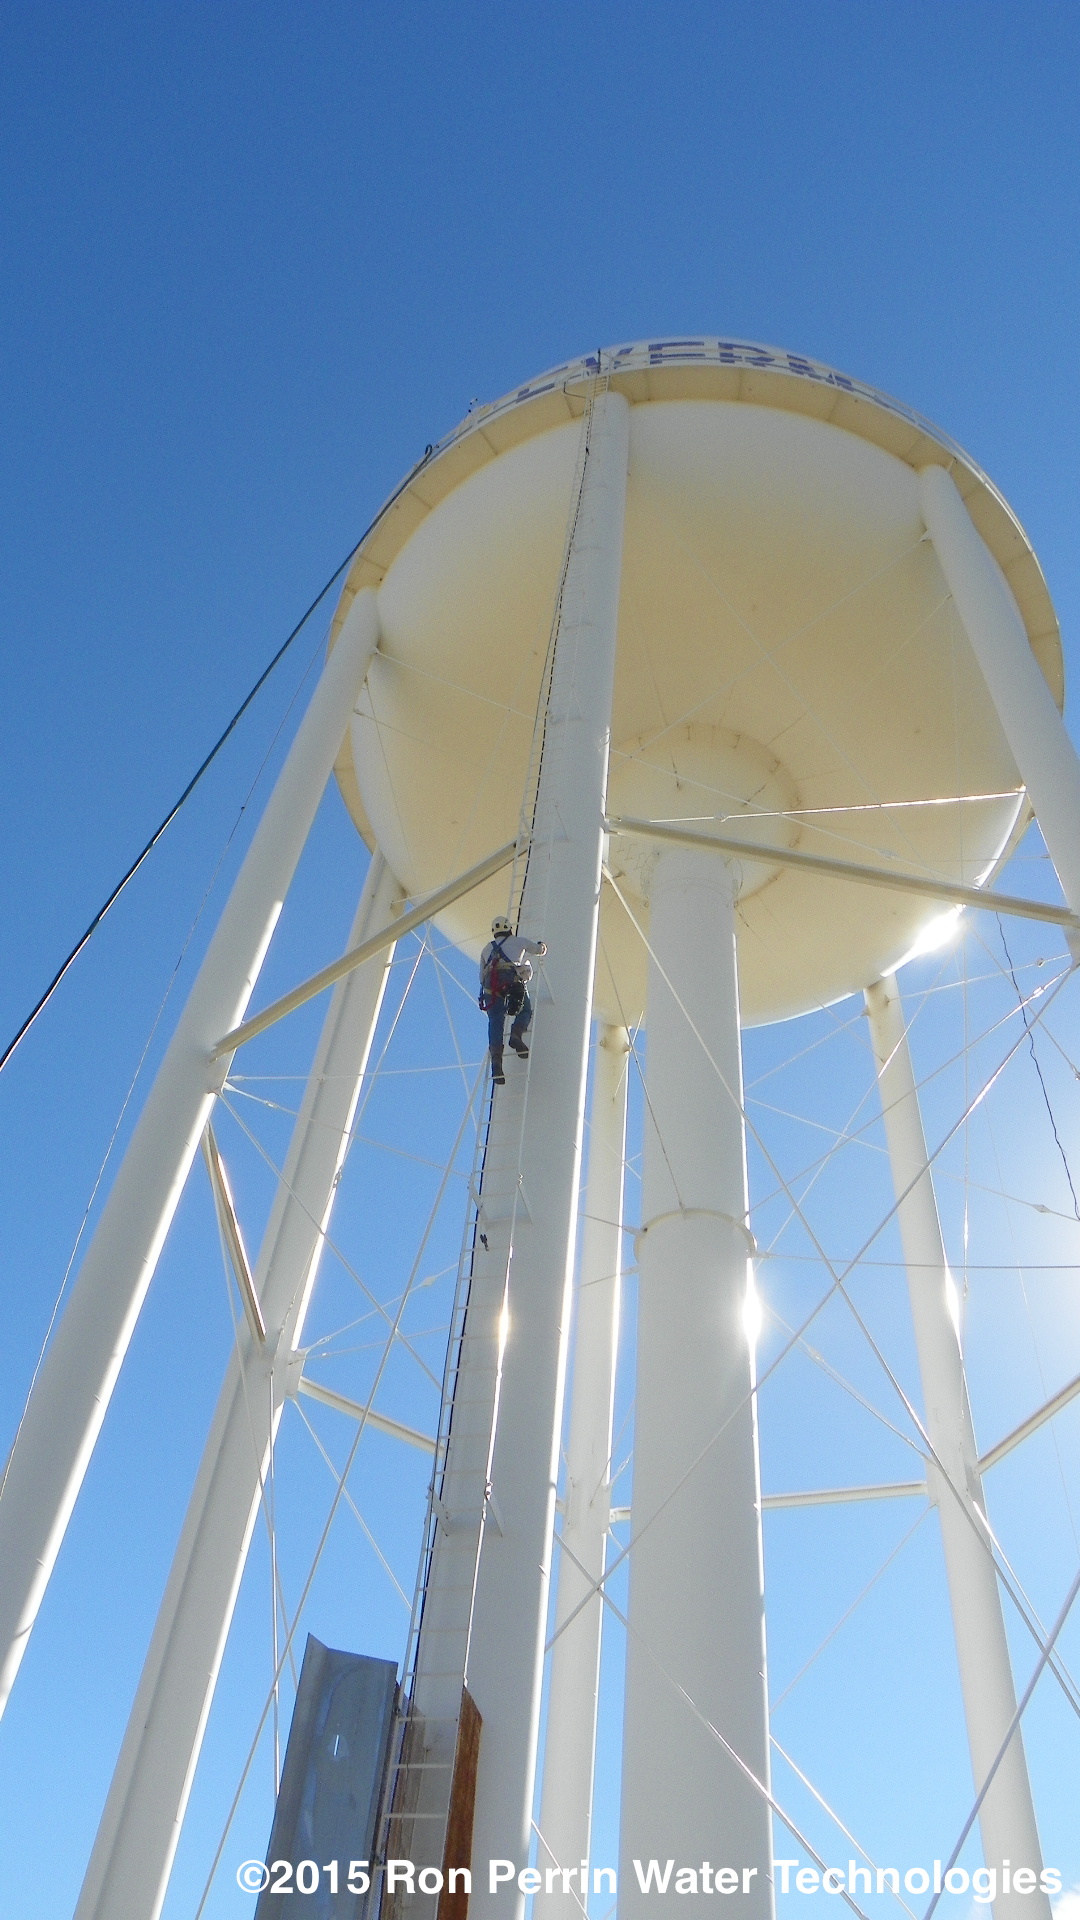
{"x":500,"y":980}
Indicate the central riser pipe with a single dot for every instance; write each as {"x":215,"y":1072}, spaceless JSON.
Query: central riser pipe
{"x":696,"y":1646}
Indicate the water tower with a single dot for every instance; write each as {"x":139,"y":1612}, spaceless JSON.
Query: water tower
{"x":649,"y":653}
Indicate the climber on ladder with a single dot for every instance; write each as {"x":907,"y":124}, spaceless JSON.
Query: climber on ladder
{"x":505,"y":971}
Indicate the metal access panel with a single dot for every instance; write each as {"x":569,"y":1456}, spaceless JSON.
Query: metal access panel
{"x":331,"y":1784}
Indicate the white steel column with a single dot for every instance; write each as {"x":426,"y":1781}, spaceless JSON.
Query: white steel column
{"x":522,"y":1277}
{"x":1007,"y":1818}
{"x":696,"y":1608}
{"x":73,"y":1388}
{"x":570,"y":1742}
{"x":1045,"y":756}
{"x":132,"y":1858}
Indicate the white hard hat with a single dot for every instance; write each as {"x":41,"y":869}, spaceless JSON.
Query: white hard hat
{"x":501,"y":925}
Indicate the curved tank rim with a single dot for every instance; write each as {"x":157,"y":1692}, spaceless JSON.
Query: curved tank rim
{"x":706,"y":367}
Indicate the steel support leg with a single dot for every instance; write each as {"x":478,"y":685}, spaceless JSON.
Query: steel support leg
{"x":1045,"y":756}
{"x":133,"y":1854}
{"x":1007,"y":1819}
{"x":72,"y":1391}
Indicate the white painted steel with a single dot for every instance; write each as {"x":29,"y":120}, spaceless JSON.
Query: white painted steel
{"x":356,"y":1410}
{"x":1007,"y":1818}
{"x":232,"y":1234}
{"x":696,"y":1607}
{"x":777,"y":588}
{"x":128,"y":1872}
{"x":1029,"y":715}
{"x":570,"y":1741}
{"x":355,"y":956}
{"x":987,"y":898}
{"x":1031,"y":1425}
{"x":73,"y":1389}
{"x":529,"y":1217}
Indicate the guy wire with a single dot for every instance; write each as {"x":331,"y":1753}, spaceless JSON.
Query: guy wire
{"x":39,"y":1007}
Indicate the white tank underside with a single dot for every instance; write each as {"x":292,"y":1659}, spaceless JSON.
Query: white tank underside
{"x":791,"y":668}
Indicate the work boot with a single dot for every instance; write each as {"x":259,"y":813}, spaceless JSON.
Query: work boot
{"x":497,"y":1074}
{"x":517,"y":1041}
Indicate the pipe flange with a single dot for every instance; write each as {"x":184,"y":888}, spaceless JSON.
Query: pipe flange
{"x":698,"y":1213}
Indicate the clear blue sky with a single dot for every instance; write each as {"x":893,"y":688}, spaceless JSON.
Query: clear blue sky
{"x":254,"y":259}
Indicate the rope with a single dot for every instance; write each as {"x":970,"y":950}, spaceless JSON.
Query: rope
{"x":126,"y":1102}
{"x":205,"y":765}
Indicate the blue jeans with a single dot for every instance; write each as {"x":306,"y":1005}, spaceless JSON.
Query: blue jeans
{"x":497,"y":1021}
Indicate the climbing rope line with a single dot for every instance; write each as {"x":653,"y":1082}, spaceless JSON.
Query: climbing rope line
{"x":126,"y":1102}
{"x":203,"y":768}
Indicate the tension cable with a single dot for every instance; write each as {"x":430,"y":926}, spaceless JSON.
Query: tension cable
{"x":114,"y":896}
